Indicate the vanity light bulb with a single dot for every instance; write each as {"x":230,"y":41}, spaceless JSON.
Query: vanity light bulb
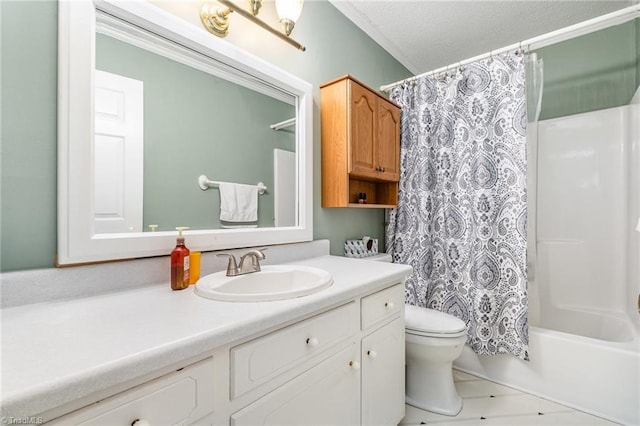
{"x":289,"y":9}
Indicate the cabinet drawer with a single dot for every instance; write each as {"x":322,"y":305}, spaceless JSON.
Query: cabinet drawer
{"x":257,"y":361}
{"x":381,"y":305}
{"x":183,"y":396}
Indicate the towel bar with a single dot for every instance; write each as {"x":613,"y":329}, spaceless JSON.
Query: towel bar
{"x":204,"y":183}
{"x":283,"y":124}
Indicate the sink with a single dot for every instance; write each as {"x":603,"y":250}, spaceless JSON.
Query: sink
{"x":273,"y":282}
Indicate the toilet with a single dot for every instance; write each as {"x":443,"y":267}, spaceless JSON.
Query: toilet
{"x":433,"y":340}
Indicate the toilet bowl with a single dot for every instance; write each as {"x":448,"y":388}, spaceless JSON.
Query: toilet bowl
{"x":434,"y":340}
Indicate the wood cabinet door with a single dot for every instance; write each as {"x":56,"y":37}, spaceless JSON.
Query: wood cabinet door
{"x":362,"y":122}
{"x":327,"y":394}
{"x":383,"y":375}
{"x":387,"y":146}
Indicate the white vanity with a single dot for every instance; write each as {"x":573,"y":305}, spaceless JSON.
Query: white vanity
{"x":163,"y":357}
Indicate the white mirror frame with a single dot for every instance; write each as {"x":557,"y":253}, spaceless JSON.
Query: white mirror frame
{"x":77,"y":242}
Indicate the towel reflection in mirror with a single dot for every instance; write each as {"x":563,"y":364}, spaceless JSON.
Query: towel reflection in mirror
{"x":238,"y":203}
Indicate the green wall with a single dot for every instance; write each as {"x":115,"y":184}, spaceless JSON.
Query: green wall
{"x":579,"y":76}
{"x":196,"y":123}
{"x":591,"y":72}
{"x":28,"y":164}
{"x":28,"y":85}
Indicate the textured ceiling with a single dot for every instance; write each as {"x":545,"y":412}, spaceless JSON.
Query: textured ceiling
{"x":424,"y":35}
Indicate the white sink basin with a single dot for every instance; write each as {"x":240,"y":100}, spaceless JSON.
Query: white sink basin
{"x":274,"y":282}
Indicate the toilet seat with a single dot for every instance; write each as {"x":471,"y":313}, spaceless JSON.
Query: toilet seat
{"x":431,"y":323}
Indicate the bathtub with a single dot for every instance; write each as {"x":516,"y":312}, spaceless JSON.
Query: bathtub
{"x":600,"y":377}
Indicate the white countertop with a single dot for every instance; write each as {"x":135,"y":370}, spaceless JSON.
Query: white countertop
{"x":56,"y":352}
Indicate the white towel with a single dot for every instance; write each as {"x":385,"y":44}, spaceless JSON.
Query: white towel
{"x":238,"y":203}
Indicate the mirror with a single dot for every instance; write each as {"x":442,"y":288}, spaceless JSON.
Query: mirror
{"x":168,"y":116}
{"x":186,"y":104}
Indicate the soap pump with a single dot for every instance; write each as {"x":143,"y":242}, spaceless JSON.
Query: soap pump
{"x":180,"y":263}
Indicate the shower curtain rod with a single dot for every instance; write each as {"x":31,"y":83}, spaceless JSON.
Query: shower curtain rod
{"x":601,"y":22}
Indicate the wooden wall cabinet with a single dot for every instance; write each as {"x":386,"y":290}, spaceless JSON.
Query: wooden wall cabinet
{"x":360,"y":145}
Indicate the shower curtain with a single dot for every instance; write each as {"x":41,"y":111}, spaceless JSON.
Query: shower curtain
{"x":461,"y":220}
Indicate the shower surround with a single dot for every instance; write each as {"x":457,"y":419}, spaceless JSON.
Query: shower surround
{"x":584,"y":341}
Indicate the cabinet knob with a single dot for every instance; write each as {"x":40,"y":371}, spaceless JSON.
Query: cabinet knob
{"x":312,"y":341}
{"x":138,"y":422}
{"x":389,"y":305}
{"x":372,"y":354}
{"x":354,"y":364}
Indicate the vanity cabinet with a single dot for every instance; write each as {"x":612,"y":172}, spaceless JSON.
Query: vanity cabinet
{"x":360,"y":145}
{"x":340,"y":366}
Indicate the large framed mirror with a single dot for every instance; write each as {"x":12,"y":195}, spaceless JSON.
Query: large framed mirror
{"x":155,"y":119}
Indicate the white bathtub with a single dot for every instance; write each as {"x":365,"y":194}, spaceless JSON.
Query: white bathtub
{"x":602,"y":326}
{"x":596,"y":376}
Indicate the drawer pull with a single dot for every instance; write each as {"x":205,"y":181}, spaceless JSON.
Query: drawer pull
{"x":389,"y":305}
{"x":372,"y":354}
{"x":138,"y":422}
{"x":312,"y":341}
{"x":354,"y":364}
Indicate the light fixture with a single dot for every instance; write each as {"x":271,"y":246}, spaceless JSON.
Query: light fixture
{"x":289,"y":12}
{"x":254,"y":6}
{"x":216,"y":20}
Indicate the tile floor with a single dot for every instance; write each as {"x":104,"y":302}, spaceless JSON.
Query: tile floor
{"x":486,"y":403}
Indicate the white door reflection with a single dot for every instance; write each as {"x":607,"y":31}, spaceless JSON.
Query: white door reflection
{"x":118,"y":154}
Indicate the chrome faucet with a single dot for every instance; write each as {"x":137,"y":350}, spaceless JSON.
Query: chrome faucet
{"x":249,"y":262}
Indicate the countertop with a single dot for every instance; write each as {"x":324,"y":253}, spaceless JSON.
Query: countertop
{"x":57,"y":352}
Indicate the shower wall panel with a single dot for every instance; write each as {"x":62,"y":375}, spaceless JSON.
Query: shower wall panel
{"x":582,"y":215}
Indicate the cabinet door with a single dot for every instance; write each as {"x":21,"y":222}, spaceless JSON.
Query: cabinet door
{"x":387,"y":147}
{"x":383,"y":375}
{"x":327,"y":394}
{"x":362,"y":121}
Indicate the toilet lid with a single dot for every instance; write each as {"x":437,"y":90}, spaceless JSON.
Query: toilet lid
{"x":423,"y":320}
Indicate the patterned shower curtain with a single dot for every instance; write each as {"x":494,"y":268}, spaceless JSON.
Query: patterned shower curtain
{"x":461,"y":220}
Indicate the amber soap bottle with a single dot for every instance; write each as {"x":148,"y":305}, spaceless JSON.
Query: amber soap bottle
{"x":180,"y":263}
